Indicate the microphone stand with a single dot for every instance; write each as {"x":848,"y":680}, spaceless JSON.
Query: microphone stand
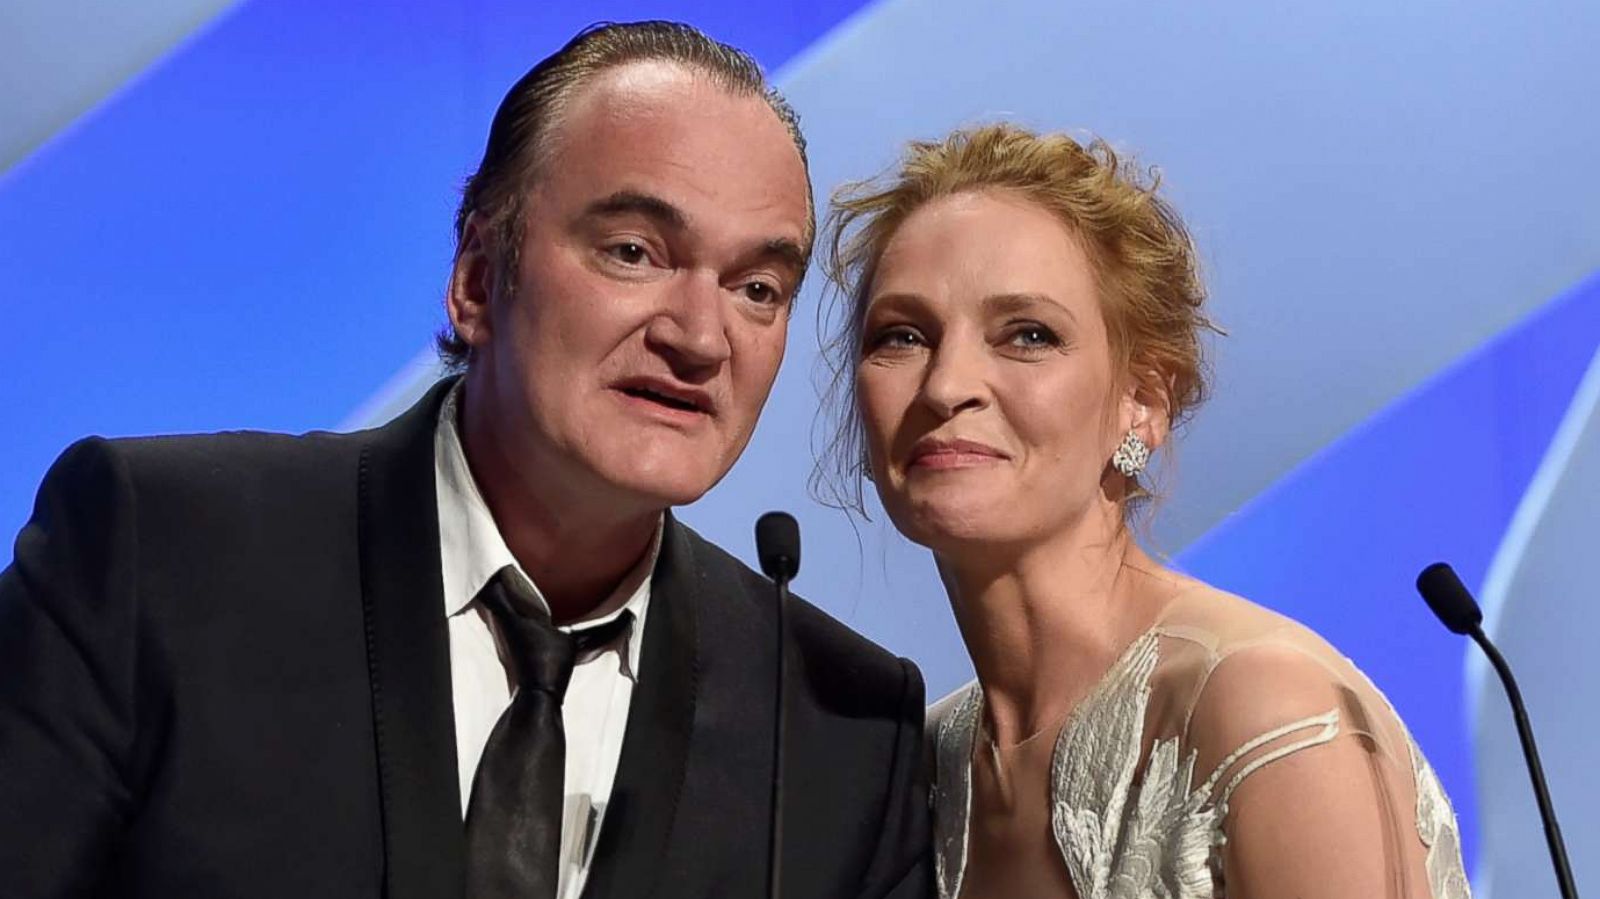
{"x":778,"y":545}
{"x":779,"y":726}
{"x":1541,"y":793}
{"x":1452,"y":602}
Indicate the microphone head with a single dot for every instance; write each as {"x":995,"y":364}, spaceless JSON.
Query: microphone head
{"x":1449,"y":599}
{"x":778,"y":545}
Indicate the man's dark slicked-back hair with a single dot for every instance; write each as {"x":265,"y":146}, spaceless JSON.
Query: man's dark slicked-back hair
{"x":520,"y":135}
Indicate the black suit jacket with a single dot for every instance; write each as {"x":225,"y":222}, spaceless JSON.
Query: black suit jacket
{"x":224,"y":671}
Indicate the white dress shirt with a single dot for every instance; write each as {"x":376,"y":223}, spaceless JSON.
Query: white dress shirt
{"x":595,"y":711}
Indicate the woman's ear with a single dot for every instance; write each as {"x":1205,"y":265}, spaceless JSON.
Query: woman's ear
{"x":471,"y":285}
{"x":1145,"y":410}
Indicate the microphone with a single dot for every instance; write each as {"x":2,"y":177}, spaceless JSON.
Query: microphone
{"x":778,"y":548}
{"x":1450,"y":600}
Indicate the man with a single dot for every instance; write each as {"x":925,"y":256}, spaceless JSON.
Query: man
{"x":258,"y":665}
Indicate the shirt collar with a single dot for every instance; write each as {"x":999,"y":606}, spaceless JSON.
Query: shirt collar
{"x":472,"y":550}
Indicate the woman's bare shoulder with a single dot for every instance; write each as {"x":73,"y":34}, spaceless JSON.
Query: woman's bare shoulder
{"x":1229,"y":622}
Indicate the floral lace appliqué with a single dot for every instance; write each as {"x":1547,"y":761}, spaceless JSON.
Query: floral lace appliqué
{"x":1159,"y":839}
{"x":1160,"y":845}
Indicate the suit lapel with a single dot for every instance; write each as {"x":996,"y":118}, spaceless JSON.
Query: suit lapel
{"x":408,"y":655}
{"x":650,"y":774}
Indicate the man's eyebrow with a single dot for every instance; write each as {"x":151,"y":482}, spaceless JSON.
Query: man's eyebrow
{"x":624,"y":202}
{"x":787,"y":251}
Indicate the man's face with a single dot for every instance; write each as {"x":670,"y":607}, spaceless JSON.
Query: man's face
{"x":664,"y":238}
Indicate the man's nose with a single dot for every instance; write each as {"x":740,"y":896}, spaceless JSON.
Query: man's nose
{"x":691,"y":328}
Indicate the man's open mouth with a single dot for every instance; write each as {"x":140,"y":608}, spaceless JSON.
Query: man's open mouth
{"x":662,"y":397}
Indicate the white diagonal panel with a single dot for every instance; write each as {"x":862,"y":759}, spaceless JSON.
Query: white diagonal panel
{"x":1542,"y":608}
{"x":59,"y":58}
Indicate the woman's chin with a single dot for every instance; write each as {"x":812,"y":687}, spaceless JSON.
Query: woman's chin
{"x":944,"y":526}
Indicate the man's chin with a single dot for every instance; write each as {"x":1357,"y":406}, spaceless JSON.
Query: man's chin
{"x":664,"y":486}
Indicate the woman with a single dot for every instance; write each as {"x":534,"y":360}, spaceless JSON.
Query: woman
{"x":1023,"y":328}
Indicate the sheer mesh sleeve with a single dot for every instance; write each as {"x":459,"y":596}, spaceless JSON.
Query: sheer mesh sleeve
{"x":1314,"y":777}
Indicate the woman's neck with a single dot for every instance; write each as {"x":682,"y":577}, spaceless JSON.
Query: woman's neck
{"x":1044,"y":623}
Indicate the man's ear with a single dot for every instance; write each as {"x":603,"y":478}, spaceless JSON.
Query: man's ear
{"x":472,"y":284}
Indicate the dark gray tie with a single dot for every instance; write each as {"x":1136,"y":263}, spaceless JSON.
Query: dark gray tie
{"x":514,"y":817}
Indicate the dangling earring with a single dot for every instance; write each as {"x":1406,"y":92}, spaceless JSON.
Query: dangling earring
{"x":1131,"y":455}
{"x":866,"y":465}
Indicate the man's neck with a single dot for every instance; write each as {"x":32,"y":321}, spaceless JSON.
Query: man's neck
{"x":578,"y":567}
{"x":577,"y":545}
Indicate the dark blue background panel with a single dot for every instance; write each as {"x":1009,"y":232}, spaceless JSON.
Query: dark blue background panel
{"x":256,"y":232}
{"x":1437,"y":476}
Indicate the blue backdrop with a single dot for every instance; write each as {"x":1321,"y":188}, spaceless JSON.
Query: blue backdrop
{"x":1394,"y":202}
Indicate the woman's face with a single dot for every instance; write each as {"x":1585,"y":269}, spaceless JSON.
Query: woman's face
{"x":985,"y":379}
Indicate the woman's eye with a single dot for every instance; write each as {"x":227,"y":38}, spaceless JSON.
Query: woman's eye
{"x":1034,"y":337}
{"x":896,"y":339}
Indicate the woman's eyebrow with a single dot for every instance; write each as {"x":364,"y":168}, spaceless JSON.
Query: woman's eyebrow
{"x":1001,"y":303}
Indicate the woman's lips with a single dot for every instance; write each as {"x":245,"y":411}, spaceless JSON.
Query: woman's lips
{"x":943,"y":455}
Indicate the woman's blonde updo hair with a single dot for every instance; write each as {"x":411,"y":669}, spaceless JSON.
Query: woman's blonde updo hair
{"x":1144,"y":262}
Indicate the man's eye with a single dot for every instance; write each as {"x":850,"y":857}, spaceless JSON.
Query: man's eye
{"x":629,"y":253}
{"x":761,"y":292}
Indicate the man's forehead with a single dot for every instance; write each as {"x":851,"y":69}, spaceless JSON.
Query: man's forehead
{"x":663,"y":130}
{"x":643,"y":83}
{"x":652,"y":94}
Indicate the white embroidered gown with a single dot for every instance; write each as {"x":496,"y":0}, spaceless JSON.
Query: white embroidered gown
{"x":1140,"y":789}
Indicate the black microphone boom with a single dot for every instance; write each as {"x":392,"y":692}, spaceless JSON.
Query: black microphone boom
{"x":778,"y":547}
{"x":1453,"y":603}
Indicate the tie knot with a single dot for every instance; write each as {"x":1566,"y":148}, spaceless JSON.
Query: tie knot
{"x":541,"y":655}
